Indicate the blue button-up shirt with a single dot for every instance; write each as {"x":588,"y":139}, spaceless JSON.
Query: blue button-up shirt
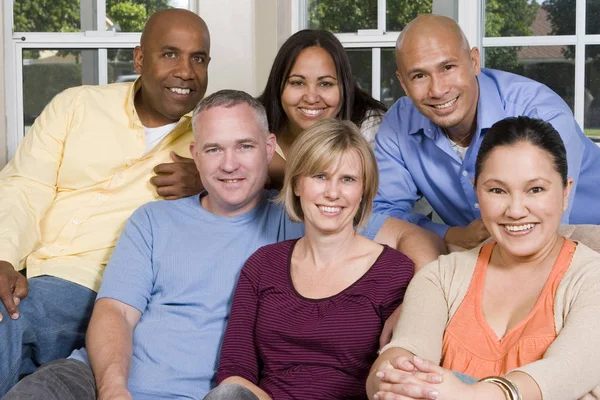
{"x":416,"y":159}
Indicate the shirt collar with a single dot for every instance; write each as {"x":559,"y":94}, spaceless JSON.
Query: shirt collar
{"x":490,"y":106}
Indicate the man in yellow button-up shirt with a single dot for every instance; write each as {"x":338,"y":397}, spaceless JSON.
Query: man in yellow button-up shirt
{"x":83,"y":168}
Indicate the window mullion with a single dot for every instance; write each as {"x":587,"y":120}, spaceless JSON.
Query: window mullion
{"x":580,"y":62}
{"x":381,"y":15}
{"x":376,"y":73}
{"x":299,"y":15}
{"x":102,"y":66}
{"x":100,"y":15}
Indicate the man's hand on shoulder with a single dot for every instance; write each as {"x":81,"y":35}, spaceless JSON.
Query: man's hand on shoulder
{"x":468,"y":236}
{"x":13,"y":289}
{"x":177,"y":179}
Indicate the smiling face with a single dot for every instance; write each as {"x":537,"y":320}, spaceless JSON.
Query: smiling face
{"x":439,"y":73}
{"x":330,"y":199}
{"x":173,"y":63}
{"x":311,"y":91}
{"x":231,"y":153}
{"x":522,"y":198}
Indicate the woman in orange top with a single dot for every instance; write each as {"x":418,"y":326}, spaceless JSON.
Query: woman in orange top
{"x":520,"y":312}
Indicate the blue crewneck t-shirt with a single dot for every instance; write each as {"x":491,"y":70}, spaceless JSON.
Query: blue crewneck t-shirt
{"x":178,"y":265}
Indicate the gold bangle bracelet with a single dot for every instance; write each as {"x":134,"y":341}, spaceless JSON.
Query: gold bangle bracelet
{"x":507,"y":395}
{"x":509,"y":388}
{"x":516,"y":388}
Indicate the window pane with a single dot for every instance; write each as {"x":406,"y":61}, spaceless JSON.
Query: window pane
{"x":130,"y":16}
{"x":529,"y":18}
{"x":592,"y":91}
{"x":401,"y":12}
{"x":120,"y":65}
{"x":342,"y":16}
{"x":362,"y":67}
{"x":592,"y":16}
{"x":390,"y":87}
{"x":65,"y":15}
{"x":551,"y":65}
{"x":47,"y":16}
{"x":46,"y":73}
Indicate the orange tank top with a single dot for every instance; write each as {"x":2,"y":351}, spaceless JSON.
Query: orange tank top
{"x":471,"y":346}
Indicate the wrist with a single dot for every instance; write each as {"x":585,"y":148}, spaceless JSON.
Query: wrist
{"x":509,"y":390}
{"x":109,"y":383}
{"x":488,"y":391}
{"x":112,"y":390}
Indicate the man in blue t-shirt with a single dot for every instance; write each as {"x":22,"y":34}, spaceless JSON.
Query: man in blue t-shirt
{"x":161,"y":311}
{"x":428,"y":142}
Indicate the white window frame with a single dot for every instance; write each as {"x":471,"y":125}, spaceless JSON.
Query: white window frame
{"x":470,"y":16}
{"x":16,"y":42}
{"x":580,"y":40}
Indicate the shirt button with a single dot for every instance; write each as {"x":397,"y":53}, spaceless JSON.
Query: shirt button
{"x":476,"y":205}
{"x":75,"y":222}
{"x":465,"y":173}
{"x":100,"y":198}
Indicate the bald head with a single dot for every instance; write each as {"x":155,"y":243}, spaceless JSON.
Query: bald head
{"x":438,"y":71}
{"x":172,"y":60}
{"x":161,"y":21}
{"x":428,"y":25}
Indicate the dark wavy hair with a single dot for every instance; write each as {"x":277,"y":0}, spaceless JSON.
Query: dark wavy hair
{"x":514,"y":130}
{"x":355,"y":101}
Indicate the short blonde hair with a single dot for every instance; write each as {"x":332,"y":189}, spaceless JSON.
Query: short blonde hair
{"x":315,"y":150}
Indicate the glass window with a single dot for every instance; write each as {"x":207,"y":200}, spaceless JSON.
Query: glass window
{"x":46,"y":16}
{"x":550,"y":65}
{"x":342,"y":15}
{"x":51,"y":72}
{"x":592,"y":16}
{"x":65,"y":15}
{"x":401,"y":12}
{"x":592,"y":91}
{"x":362,"y":67}
{"x":390,"y":86}
{"x":130,"y":16}
{"x":529,"y":18}
{"x":120,"y":65}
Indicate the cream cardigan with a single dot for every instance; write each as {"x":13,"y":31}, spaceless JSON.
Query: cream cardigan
{"x":570,"y":369}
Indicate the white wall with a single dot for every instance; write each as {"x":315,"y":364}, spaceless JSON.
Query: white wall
{"x":243,"y":42}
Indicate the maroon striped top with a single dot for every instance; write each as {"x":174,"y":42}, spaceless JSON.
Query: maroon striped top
{"x":293,"y":347}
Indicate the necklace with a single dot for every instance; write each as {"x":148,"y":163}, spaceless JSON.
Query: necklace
{"x":452,"y":142}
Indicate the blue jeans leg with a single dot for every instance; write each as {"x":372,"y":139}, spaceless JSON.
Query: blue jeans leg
{"x":52,"y":323}
{"x":230,"y":391}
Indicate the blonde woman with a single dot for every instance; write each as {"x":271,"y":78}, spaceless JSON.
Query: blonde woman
{"x":307,"y":313}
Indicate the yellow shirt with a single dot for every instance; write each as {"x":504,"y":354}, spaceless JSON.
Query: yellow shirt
{"x":77,"y":176}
